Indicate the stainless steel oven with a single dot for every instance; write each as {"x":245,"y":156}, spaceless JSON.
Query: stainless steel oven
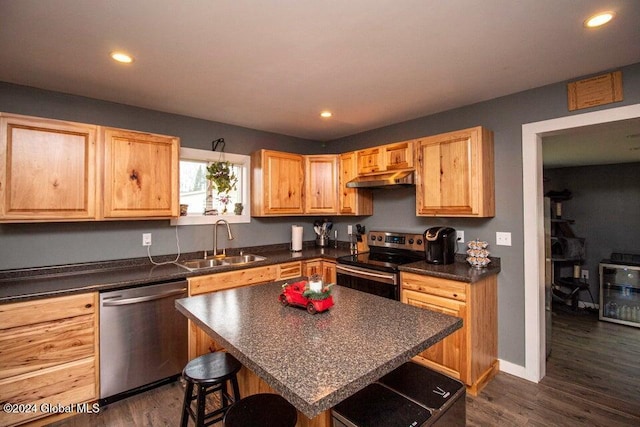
{"x":376,"y":271}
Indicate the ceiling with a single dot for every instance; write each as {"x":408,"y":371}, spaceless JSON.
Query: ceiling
{"x":602,"y":144}
{"x":275,"y":65}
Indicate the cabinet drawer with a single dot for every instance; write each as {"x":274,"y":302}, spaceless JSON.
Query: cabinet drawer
{"x":44,"y":310}
{"x":289,"y":270}
{"x":435,"y":286}
{"x":69,"y":383}
{"x":232,"y":279}
{"x":38,"y":346}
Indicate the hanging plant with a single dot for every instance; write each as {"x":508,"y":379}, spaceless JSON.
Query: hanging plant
{"x":221,"y":176}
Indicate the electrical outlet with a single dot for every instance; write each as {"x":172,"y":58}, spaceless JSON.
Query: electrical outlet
{"x":146,"y":239}
{"x":349,"y":229}
{"x":503,"y":238}
{"x":585,"y":274}
{"x":460,"y":235}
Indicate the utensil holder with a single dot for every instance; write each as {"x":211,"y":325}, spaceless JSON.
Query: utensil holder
{"x":322,"y":241}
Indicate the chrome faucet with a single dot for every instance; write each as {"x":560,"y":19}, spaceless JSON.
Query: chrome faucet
{"x":215,"y":235}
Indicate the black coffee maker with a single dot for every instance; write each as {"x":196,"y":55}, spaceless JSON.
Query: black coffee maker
{"x":440,"y":245}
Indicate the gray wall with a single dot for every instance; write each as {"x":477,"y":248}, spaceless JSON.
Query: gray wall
{"x":505,"y":116}
{"x":35,"y":245}
{"x":606,"y":209}
{"x":45,"y":244}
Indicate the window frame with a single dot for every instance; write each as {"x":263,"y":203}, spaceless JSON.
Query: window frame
{"x":244,"y":165}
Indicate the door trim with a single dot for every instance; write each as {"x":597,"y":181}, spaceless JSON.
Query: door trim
{"x":533,"y":219}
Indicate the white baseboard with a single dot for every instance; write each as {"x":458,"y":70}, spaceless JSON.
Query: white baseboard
{"x":513,"y":369}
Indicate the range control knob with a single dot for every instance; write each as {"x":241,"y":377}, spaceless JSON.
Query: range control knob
{"x":379,"y":238}
{"x":411,"y":241}
{"x":373,"y":237}
{"x":419,"y":241}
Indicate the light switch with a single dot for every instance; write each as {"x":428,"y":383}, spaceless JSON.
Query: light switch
{"x":503,"y":238}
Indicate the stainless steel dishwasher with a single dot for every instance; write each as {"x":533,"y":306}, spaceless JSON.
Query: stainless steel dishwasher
{"x":143,"y":338}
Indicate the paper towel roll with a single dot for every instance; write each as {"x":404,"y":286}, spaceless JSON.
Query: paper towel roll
{"x":296,"y":238}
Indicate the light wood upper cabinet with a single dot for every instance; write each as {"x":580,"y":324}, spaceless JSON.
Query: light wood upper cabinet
{"x":352,"y":201}
{"x":398,"y":155}
{"x":277,"y":183}
{"x":470,"y":353}
{"x":370,"y":160}
{"x":455,"y":174}
{"x":47,"y":169}
{"x":321,"y":180}
{"x":389,"y":157}
{"x":52,"y":170}
{"x":140,"y":174}
{"x":49,"y":354}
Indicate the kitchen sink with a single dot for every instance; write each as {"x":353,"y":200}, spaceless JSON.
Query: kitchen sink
{"x":198,"y":264}
{"x":242,"y":259}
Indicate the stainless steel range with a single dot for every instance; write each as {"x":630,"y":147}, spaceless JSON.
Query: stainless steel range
{"x":376,"y":271}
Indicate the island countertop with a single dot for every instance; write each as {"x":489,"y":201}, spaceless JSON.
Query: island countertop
{"x":316,"y":361}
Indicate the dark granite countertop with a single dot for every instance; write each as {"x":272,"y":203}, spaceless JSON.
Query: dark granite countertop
{"x":26,"y":284}
{"x":459,"y":270}
{"x":316,"y":361}
{"x":32,"y":283}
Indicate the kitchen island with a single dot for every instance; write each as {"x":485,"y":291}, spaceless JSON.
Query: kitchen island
{"x":315,"y":361}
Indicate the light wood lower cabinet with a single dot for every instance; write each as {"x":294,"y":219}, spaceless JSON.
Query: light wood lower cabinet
{"x":470,"y":353}
{"x":323,"y":268}
{"x":199,"y":341}
{"x":48,"y":354}
{"x":289,"y":270}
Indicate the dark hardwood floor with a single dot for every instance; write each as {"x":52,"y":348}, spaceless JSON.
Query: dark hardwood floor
{"x":593,"y":379}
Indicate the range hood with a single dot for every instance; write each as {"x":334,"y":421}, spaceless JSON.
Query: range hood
{"x":402,"y":178}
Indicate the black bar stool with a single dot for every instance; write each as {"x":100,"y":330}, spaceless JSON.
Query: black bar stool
{"x":261,"y":410}
{"x":209,"y":373}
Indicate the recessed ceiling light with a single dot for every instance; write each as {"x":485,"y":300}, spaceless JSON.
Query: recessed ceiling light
{"x":599,"y":19}
{"x":121,"y":57}
{"x":326,"y":114}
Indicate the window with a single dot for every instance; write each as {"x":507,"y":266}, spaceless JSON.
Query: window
{"x":193,"y":187}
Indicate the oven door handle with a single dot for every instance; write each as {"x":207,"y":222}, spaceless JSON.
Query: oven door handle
{"x":366,"y":274}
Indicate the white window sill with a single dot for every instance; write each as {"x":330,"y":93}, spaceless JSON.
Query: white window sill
{"x":210,"y":219}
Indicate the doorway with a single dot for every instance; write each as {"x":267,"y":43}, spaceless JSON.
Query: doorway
{"x":533,"y":216}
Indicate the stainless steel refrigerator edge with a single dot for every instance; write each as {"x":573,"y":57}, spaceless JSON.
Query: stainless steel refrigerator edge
{"x":548,"y":275}
{"x":143,"y":338}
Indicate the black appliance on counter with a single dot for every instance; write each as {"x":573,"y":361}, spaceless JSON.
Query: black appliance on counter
{"x":411,"y":395}
{"x":440,"y":245}
{"x":376,"y":271}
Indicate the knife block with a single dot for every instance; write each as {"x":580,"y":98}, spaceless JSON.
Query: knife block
{"x":364,"y":245}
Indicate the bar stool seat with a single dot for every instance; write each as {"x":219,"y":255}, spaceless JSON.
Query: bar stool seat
{"x":261,"y":410}
{"x":209,"y":373}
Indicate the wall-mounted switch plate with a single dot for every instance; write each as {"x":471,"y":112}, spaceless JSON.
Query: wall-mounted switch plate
{"x":146,"y":239}
{"x":460,"y":235}
{"x":503,"y":238}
